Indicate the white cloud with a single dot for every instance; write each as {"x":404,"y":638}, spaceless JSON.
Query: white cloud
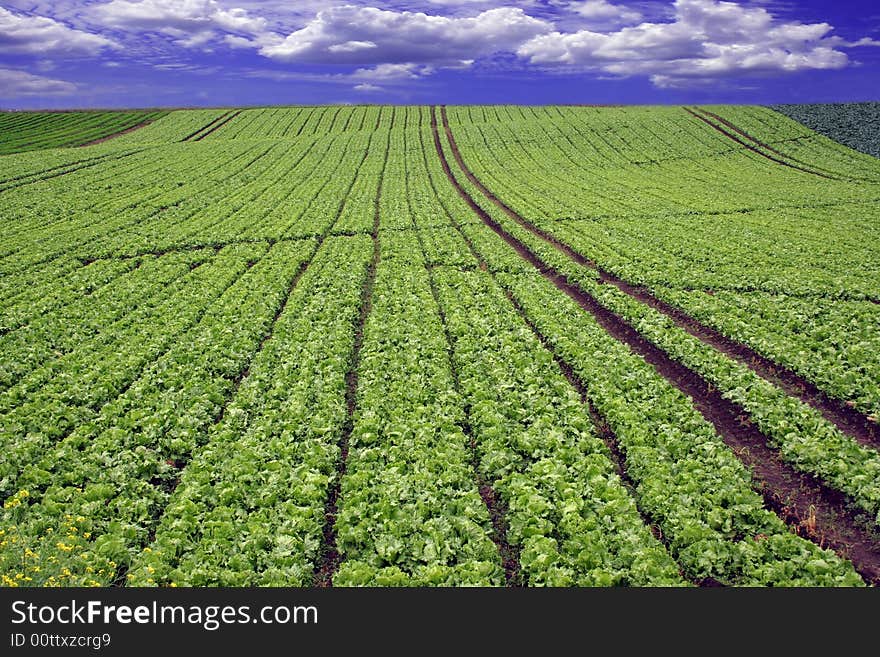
{"x":864,"y":41}
{"x":404,"y":36}
{"x":185,"y":15}
{"x":235,"y":41}
{"x":366,"y":87}
{"x":37,"y":35}
{"x":706,"y":39}
{"x":352,"y":46}
{"x":20,"y":83}
{"x":604,"y":11}
{"x":392,"y":72}
{"x":193,"y":23}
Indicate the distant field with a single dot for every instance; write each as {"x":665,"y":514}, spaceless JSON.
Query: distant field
{"x":383,"y":346}
{"x":30,"y":131}
{"x":856,"y":125}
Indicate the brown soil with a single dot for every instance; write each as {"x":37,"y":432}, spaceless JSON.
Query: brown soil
{"x":848,"y":419}
{"x":494,"y":504}
{"x":765,"y":145}
{"x":808,"y":506}
{"x":603,"y":430}
{"x":755,"y":149}
{"x":116,"y":134}
{"x":330,"y":557}
{"x":207,"y":126}
{"x":218,"y":125}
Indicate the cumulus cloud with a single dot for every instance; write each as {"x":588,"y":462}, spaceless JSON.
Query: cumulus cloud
{"x":37,"y":35}
{"x":604,"y":11}
{"x":194,"y":23}
{"x":367,"y":87}
{"x":20,"y":83}
{"x":392,"y":72}
{"x":366,"y":35}
{"x":706,"y":39}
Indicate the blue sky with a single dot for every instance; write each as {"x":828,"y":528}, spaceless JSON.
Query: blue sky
{"x":150,"y":53}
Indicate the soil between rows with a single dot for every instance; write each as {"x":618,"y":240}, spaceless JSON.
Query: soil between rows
{"x":100,"y":140}
{"x":809,"y":507}
{"x":755,"y":149}
{"x":763,"y":144}
{"x":330,"y":557}
{"x":848,"y":419}
{"x":605,"y":433}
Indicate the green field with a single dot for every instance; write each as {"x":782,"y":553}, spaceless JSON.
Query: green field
{"x":30,"y":131}
{"x":412,"y":346}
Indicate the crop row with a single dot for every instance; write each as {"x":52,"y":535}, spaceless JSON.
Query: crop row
{"x":567,"y":510}
{"x":98,"y":296}
{"x":70,"y":390}
{"x":36,"y":131}
{"x":840,"y":127}
{"x":811,"y":443}
{"x":224,"y":204}
{"x":249,"y":508}
{"x":694,"y":252}
{"x":206,"y":176}
{"x":92,"y":500}
{"x":287,"y":123}
{"x":259,"y":519}
{"x":687,"y":480}
{"x":410,"y":511}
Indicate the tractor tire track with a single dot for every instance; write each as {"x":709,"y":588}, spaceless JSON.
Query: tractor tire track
{"x":807,"y":505}
{"x":849,"y":420}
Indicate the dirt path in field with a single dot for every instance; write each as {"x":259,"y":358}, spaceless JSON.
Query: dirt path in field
{"x":603,"y":430}
{"x":761,"y":144}
{"x":495,"y":504}
{"x":217,"y":126}
{"x":754,"y":148}
{"x":848,"y":419}
{"x":330,"y":559}
{"x":211,"y":126}
{"x":101,"y":140}
{"x":808,"y":506}
{"x":508,"y":552}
